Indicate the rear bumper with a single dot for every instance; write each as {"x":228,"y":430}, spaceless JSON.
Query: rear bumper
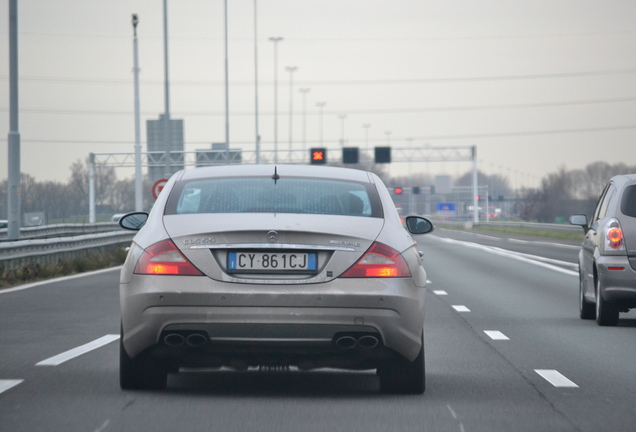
{"x":617,"y":280}
{"x":289,"y":320}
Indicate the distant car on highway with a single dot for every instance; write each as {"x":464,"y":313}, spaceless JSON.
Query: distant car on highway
{"x":273,"y":266}
{"x":607,"y":261}
{"x":117,"y":216}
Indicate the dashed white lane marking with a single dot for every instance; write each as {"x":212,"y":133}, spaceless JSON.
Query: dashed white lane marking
{"x":460,"y":308}
{"x":440,"y":292}
{"x":555,"y":378}
{"x":456,"y":417}
{"x":76,"y":352}
{"x":7,"y":384}
{"x":496,"y":335}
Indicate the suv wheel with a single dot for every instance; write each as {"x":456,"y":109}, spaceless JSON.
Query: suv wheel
{"x":587,"y":310}
{"x":606,"y":313}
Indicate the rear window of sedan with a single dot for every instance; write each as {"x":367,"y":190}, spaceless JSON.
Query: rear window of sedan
{"x":628,"y":202}
{"x":264,"y":195}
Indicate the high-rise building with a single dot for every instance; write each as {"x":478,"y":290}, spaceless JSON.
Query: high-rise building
{"x":157,"y":147}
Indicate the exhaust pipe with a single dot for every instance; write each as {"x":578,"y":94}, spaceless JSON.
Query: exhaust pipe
{"x":368,"y":342}
{"x":346,"y":342}
{"x":174,"y":340}
{"x":196,"y":340}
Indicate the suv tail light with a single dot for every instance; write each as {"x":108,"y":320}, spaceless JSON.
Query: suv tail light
{"x":379,"y":261}
{"x":164,"y":258}
{"x":615,"y":237}
{"x":614,"y":242}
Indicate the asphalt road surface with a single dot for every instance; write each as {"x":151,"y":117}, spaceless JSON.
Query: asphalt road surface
{"x":505,"y":351}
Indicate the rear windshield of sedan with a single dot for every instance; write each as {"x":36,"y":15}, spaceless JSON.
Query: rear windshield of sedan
{"x":264,"y":195}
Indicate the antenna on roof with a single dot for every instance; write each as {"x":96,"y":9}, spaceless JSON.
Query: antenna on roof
{"x":275,"y":177}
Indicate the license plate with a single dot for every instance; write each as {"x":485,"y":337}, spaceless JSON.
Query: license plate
{"x":272,"y":261}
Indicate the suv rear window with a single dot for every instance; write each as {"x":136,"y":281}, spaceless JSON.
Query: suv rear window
{"x":628,"y":203}
{"x":264,"y":195}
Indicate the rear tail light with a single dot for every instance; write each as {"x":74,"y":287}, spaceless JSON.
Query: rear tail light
{"x":615,"y":237}
{"x":379,"y":261}
{"x":614,"y":240}
{"x":164,"y":258}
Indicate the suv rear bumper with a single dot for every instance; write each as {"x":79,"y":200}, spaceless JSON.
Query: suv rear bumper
{"x":617,"y":280}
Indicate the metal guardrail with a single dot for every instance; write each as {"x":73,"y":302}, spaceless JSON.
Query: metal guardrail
{"x":17,"y":254}
{"x":61,"y":230}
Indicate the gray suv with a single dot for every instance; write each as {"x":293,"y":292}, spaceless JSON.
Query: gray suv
{"x":607,"y":261}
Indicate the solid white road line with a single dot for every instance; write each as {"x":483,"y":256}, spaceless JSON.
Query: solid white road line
{"x":7,"y":384}
{"x":76,"y":352}
{"x":555,"y":378}
{"x":460,"y":308}
{"x":556,"y":265}
{"x":496,"y":335}
{"x":440,"y":292}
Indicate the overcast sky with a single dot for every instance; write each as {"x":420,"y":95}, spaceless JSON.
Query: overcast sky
{"x":533,"y":84}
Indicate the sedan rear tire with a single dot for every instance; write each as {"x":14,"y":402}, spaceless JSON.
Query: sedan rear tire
{"x":402,"y":376}
{"x":141,"y":372}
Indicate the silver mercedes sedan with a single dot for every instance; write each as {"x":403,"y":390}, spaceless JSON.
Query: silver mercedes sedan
{"x":273,"y":266}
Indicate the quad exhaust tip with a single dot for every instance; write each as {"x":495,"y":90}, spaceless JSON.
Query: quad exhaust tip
{"x":350,"y":342}
{"x":194,"y":340}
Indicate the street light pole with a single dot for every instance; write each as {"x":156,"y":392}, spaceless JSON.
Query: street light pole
{"x":276,"y":40}
{"x":304,"y":92}
{"x":342,"y":130}
{"x":366,"y":127}
{"x":258,"y":136}
{"x":13,"y":181}
{"x":321,"y":105}
{"x":167,"y":139}
{"x":139,"y":204}
{"x":291,"y":70}
{"x":227,"y":93}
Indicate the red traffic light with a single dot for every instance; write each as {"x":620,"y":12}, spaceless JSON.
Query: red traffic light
{"x":398,"y":190}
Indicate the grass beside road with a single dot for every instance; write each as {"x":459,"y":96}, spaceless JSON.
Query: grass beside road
{"x":37,"y":272}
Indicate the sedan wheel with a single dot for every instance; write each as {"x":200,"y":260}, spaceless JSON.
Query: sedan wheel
{"x":402,"y":376}
{"x":606,"y":313}
{"x":141,"y":372}
{"x":587,"y":310}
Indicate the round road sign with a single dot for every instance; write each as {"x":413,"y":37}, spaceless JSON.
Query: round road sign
{"x":158,"y":187}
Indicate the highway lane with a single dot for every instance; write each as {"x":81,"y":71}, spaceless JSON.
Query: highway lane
{"x":474,"y":382}
{"x":534,"y":306}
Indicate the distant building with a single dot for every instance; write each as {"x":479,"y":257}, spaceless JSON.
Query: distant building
{"x":218,"y":155}
{"x":157,"y":148}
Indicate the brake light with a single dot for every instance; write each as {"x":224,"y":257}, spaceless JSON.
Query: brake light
{"x":164,"y":258}
{"x":615,"y":237}
{"x":379,"y":261}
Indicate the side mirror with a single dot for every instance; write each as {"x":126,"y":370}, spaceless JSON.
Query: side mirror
{"x":133,"y":221}
{"x":580,"y":220}
{"x":418,"y":225}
